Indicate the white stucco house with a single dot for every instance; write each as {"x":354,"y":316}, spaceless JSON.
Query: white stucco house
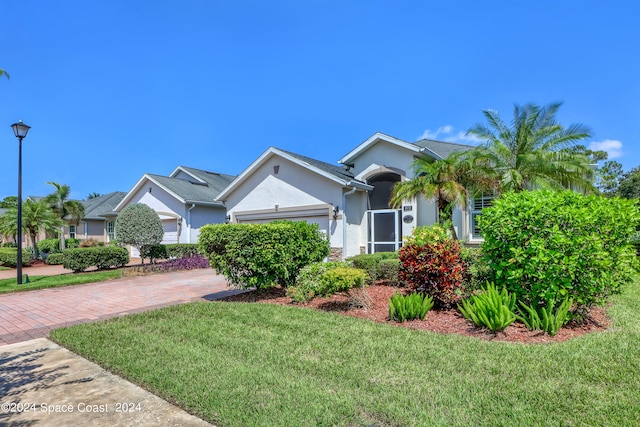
{"x":185,"y":201}
{"x":350,"y":200}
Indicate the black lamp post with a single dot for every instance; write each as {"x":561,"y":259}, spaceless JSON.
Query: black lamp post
{"x":20,"y":131}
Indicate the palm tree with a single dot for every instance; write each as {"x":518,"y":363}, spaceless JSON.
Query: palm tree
{"x":36,"y":216}
{"x":4,"y":73}
{"x":69,"y":211}
{"x":449,"y":180}
{"x":534,"y":150}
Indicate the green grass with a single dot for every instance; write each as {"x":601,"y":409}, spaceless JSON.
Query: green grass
{"x":41,"y":282}
{"x":236,"y":364}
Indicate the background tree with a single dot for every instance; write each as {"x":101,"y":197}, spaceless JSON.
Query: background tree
{"x":93,"y":195}
{"x":607,"y":173}
{"x":4,"y":73}
{"x":139,"y":226}
{"x":608,"y":178}
{"x":532,"y":152}
{"x":9,"y":202}
{"x":449,"y":180}
{"x":629,"y":186}
{"x":69,"y":211}
{"x":36,"y":217}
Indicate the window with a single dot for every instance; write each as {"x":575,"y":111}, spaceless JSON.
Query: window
{"x":481,"y":201}
{"x":110,"y":231}
{"x":72,"y":231}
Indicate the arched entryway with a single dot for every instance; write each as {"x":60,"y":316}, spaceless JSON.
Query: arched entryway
{"x":384,"y":223}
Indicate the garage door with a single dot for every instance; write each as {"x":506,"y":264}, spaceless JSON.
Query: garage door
{"x":170,"y":228}
{"x":312,"y":216}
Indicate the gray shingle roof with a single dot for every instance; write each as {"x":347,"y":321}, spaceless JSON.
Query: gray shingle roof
{"x":341,"y":172}
{"x":101,"y":206}
{"x":194,"y":190}
{"x":441,"y":148}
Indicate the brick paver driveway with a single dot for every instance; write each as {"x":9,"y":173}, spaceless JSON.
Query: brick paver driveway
{"x":33,"y":314}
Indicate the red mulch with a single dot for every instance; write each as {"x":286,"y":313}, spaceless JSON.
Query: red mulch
{"x":446,"y":322}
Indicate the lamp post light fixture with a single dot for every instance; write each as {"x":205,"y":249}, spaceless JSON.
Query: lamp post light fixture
{"x":20,"y":131}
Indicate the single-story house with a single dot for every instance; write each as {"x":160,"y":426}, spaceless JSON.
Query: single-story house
{"x":99,"y":218}
{"x":185,"y":201}
{"x":350,"y":200}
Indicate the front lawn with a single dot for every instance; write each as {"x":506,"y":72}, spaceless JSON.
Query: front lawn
{"x":239,"y":364}
{"x":41,"y":282}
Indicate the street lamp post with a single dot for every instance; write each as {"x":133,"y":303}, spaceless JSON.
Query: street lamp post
{"x":20,"y":131}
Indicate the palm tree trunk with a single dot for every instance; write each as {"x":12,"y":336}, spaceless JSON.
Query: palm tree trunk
{"x":62,"y":242}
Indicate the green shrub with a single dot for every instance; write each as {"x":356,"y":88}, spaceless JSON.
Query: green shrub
{"x":547,"y":319}
{"x":51,"y":246}
{"x":545,"y":246}
{"x":476,"y":269}
{"x":71,"y":243}
{"x":101,"y":257}
{"x":309,"y":281}
{"x":55,"y":259}
{"x":9,"y":257}
{"x":390,"y":271}
{"x":371,"y":263}
{"x":140,"y":226}
{"x":341,"y":279}
{"x":434,"y":267}
{"x":409,"y":307}
{"x":182,"y":250}
{"x":428,"y":234}
{"x":155,"y":252}
{"x":490,"y":308}
{"x":262,"y":255}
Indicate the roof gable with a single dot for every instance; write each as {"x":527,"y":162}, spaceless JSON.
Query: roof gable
{"x":101,"y":206}
{"x":336,"y":173}
{"x":436,"y":149}
{"x":202,"y":189}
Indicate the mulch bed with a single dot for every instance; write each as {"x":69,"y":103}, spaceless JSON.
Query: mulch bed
{"x":445,"y":322}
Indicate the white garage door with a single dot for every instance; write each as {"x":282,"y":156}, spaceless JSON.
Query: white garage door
{"x":312,"y":216}
{"x":170,"y":227}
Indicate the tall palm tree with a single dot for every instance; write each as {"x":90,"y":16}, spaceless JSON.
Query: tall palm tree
{"x":36,"y":217}
{"x":69,"y":211}
{"x":533,"y":151}
{"x":4,"y":73}
{"x":449,"y":180}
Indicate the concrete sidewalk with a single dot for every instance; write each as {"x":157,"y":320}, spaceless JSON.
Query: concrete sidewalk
{"x":45,"y":385}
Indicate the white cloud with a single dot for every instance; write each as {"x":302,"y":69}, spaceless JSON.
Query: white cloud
{"x":611,"y":146}
{"x":447,"y":133}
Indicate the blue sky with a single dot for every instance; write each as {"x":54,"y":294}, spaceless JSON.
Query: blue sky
{"x":114,"y":89}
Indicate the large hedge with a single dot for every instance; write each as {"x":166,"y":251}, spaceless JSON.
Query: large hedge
{"x":262,"y":255}
{"x":545,"y":246}
{"x":9,"y":257}
{"x":102,"y":257}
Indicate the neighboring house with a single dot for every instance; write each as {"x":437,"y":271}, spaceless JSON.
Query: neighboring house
{"x":99,"y":218}
{"x":350,"y":201}
{"x":184,"y":201}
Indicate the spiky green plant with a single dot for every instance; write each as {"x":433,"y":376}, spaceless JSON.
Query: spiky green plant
{"x":548,"y":319}
{"x":409,"y":307}
{"x":490,"y":308}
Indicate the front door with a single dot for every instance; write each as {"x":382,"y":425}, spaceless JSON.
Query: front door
{"x":385,"y":230}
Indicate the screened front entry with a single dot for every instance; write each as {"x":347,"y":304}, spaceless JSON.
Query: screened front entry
{"x":385,"y":227}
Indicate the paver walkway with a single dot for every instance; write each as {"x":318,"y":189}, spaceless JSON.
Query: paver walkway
{"x":33,"y":314}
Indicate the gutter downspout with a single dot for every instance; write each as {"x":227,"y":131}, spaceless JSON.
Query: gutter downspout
{"x":344,"y":221}
{"x":193,"y":205}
